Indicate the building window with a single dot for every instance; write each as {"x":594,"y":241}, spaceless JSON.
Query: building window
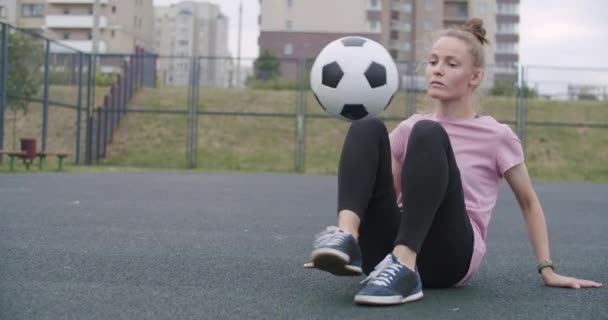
{"x":395,"y":15}
{"x":508,"y":8}
{"x":428,"y":25}
{"x":289,"y":3}
{"x":375,"y":26}
{"x":373,"y":3}
{"x":113,"y":9}
{"x":394,"y":53}
{"x":3,"y":12}
{"x":65,"y":36}
{"x":288,"y":50}
{"x":289,"y":25}
{"x":32,"y":10}
{"x":462,"y":10}
{"x":90,"y":36}
{"x":113,"y":33}
{"x":429,"y":5}
{"x":66,"y":11}
{"x":394,"y":35}
{"x":183,"y":43}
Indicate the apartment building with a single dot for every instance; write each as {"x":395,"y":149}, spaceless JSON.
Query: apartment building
{"x":123,"y":24}
{"x":192,"y":29}
{"x":299,"y":29}
{"x":507,"y":39}
{"x":8,"y":11}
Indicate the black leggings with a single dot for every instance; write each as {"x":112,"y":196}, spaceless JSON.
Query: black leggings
{"x":433,"y":221}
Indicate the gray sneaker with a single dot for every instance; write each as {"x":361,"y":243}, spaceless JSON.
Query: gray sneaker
{"x":390,"y":283}
{"x":337,"y":252}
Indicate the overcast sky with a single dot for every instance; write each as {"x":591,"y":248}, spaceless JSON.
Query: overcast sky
{"x":555,"y":33}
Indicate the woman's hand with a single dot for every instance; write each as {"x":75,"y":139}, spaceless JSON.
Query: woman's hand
{"x":553,"y":279}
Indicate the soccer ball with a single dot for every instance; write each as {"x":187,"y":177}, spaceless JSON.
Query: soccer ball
{"x":354,"y":78}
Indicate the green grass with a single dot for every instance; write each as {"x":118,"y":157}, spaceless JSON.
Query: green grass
{"x":253,"y":144}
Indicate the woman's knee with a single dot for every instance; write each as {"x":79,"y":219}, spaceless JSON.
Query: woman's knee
{"x":428,"y":132}
{"x":369,"y":127}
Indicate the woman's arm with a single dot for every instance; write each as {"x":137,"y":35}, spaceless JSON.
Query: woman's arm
{"x":519,"y":181}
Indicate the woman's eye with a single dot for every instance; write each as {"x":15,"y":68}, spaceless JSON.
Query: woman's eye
{"x":432,"y":62}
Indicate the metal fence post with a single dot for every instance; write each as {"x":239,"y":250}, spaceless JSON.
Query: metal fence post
{"x":411,"y":88}
{"x":89,"y":129}
{"x":125,"y":82}
{"x":118,"y":98}
{"x":300,"y":117}
{"x":112,"y":111}
{"x":106,"y":123}
{"x":79,"y":111}
{"x":521,"y":107}
{"x":3,"y":77}
{"x":99,"y":135}
{"x":192,"y":114}
{"x":45,"y":98}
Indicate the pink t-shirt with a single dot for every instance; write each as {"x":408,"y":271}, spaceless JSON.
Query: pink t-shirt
{"x":484,"y":150}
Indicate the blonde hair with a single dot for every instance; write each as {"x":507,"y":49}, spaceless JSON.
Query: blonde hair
{"x":473,"y":34}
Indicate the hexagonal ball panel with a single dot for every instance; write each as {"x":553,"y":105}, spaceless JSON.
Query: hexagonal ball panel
{"x":353,"y":42}
{"x":376,"y":75}
{"x":354,"y":111}
{"x":332,"y":74}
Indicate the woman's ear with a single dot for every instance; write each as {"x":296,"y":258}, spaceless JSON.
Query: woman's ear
{"x":476,"y":77}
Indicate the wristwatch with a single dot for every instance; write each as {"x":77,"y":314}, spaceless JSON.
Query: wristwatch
{"x":545,"y":264}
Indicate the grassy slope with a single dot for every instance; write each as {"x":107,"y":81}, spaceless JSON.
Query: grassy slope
{"x":269,"y":144}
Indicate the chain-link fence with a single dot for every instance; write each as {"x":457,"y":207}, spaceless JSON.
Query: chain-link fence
{"x":217,"y":113}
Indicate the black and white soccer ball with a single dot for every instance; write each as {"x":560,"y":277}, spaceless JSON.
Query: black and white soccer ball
{"x":354,"y":78}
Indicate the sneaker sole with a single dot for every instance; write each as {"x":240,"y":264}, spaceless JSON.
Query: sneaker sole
{"x":334,"y":262}
{"x":379,"y":300}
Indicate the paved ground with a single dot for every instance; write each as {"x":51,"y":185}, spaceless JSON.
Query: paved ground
{"x":223,"y":246}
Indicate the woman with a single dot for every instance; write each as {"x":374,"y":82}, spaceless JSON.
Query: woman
{"x":416,"y":203}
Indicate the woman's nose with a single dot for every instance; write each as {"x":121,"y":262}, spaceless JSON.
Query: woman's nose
{"x":438,"y":69}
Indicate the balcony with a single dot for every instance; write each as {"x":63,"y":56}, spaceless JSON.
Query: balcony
{"x":400,"y":45}
{"x":85,"y":46}
{"x":73,"y":22}
{"x":401,"y":26}
{"x":401,"y":7}
{"x":75,"y":1}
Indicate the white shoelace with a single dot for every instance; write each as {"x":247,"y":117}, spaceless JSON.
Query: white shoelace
{"x":331,"y":236}
{"x":384,"y":272}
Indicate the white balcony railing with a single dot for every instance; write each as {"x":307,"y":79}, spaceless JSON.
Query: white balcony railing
{"x":73,"y":21}
{"x":400,"y":45}
{"x":85,"y":46}
{"x":401,"y":7}
{"x":401,"y":26}
{"x":75,"y":1}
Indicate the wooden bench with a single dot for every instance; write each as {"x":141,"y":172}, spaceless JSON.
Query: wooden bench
{"x":42,"y":157}
{"x":12,"y":155}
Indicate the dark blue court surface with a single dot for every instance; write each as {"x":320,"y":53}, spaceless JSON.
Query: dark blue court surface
{"x":230,"y":246}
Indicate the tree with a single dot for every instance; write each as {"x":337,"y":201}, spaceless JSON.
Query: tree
{"x":267,"y":66}
{"x":509,"y":88}
{"x":24,"y":77}
{"x":586,"y":93}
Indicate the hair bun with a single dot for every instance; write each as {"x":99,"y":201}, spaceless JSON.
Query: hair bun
{"x":475,"y":26}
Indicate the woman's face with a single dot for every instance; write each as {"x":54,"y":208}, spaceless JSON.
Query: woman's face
{"x":450,"y":74}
